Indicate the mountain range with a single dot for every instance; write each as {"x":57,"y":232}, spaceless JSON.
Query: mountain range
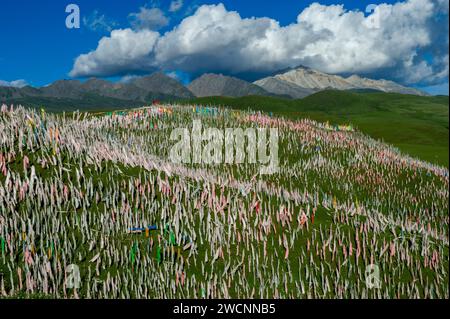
{"x":291,"y":83}
{"x":220,"y":85}
{"x":157,"y":85}
{"x":303,"y":81}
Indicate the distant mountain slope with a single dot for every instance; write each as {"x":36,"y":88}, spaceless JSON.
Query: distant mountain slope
{"x":280,"y":87}
{"x":220,"y":85}
{"x":382,"y":85}
{"x":72,"y":89}
{"x":144,"y":90}
{"x":312,"y":79}
{"x":90,"y":102}
{"x":290,"y":83}
{"x":123,"y":91}
{"x":7,"y":92}
{"x":298,"y":81}
{"x":161,"y":83}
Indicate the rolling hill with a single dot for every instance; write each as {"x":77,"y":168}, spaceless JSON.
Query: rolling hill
{"x":100,"y":197}
{"x":417,"y":125}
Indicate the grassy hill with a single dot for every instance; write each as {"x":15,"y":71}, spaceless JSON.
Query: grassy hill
{"x":417,"y":125}
{"x":102,"y":194}
{"x":88,"y":103}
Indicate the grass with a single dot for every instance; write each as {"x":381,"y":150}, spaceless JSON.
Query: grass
{"x":117,"y":183}
{"x":417,"y":125}
{"x":87,"y":103}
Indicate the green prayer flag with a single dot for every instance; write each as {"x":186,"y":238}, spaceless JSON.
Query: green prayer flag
{"x":158,"y":254}
{"x":133,"y":253}
{"x":172,"y":238}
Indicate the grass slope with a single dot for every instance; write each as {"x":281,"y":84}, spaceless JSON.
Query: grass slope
{"x":89,"y":190}
{"x":417,"y":125}
{"x":89,"y":102}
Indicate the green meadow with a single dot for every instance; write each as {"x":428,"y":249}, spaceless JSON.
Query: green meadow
{"x":340,"y":204}
{"x":417,"y":125}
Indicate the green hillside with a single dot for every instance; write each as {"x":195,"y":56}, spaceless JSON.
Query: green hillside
{"x":88,"y":103}
{"x":98,"y":203}
{"x":224,"y":158}
{"x":417,"y":125}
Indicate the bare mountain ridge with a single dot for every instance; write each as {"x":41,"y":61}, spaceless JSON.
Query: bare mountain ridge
{"x":290,"y":83}
{"x":277,"y":86}
{"x":210,"y":84}
{"x":297,"y":82}
{"x":164,"y":84}
{"x":382,"y":85}
{"x":142,"y":89}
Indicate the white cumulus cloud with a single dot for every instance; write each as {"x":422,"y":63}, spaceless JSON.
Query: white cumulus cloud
{"x":175,"y":5}
{"x":328,"y":38}
{"x":124,"y":51}
{"x":152,"y":19}
{"x":16,"y":83}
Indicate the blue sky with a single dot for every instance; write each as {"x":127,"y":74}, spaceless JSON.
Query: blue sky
{"x":37,"y":47}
